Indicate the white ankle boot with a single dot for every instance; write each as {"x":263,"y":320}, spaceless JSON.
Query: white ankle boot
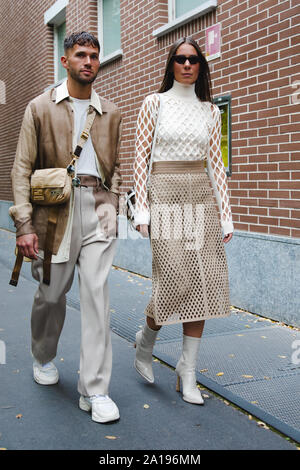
{"x":185,"y":370}
{"x":145,"y":340}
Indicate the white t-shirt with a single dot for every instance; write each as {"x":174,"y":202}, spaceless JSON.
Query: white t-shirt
{"x":86,"y":164}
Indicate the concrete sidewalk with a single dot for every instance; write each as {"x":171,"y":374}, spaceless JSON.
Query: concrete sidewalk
{"x":152,"y":416}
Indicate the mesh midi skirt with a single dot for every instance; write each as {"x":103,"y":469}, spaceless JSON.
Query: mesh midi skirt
{"x":189,"y":265}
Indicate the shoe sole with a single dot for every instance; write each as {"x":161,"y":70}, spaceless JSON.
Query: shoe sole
{"x":40,"y":382}
{"x":193,"y":402}
{"x":84,"y":406}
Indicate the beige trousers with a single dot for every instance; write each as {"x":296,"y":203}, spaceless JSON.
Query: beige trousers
{"x":92,"y":250}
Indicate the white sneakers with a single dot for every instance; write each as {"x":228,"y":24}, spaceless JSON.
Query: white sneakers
{"x":102,"y":407}
{"x":45,"y":374}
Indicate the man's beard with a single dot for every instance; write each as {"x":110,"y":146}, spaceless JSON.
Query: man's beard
{"x":84,"y":81}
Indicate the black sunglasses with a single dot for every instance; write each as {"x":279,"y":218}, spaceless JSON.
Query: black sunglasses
{"x":181,"y":59}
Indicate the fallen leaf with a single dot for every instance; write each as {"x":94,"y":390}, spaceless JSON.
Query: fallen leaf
{"x":3,"y":448}
{"x":226,"y":402}
{"x":19,"y":416}
{"x":240,"y":335}
{"x":205,"y":396}
{"x":204,"y":370}
{"x":247,"y":326}
{"x":267,"y":378}
{"x":264,"y":337}
{"x":219,"y":374}
{"x":155,"y":360}
{"x":254,"y":402}
{"x":250,"y":417}
{"x":247,"y":376}
{"x":111,"y":437}
{"x":262,"y":425}
{"x":146,"y":406}
{"x":231,"y":355}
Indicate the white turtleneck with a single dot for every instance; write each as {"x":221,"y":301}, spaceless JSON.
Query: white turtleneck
{"x":182,"y":90}
{"x":188,"y":129}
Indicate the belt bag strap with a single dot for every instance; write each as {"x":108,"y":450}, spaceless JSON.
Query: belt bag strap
{"x":50,"y":235}
{"x":16,"y":272}
{"x":54,"y":211}
{"x":85,"y":134}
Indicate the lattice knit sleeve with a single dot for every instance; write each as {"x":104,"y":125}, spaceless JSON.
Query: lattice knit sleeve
{"x":217,"y":173}
{"x":144,"y":137}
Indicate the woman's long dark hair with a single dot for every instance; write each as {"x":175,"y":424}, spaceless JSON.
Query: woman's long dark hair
{"x":203,"y":82}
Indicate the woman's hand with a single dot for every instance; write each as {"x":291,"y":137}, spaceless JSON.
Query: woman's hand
{"x":143,"y":229}
{"x":227,"y":238}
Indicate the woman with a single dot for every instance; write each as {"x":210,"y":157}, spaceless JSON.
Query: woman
{"x":189,"y":268}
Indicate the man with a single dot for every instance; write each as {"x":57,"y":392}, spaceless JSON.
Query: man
{"x":86,"y":225}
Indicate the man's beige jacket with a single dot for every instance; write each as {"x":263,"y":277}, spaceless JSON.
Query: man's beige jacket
{"x":46,"y":141}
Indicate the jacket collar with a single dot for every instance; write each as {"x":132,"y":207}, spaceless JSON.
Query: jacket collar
{"x":61,"y":93}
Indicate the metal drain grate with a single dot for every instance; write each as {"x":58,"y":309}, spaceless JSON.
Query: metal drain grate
{"x":243,"y":358}
{"x":254,"y":375}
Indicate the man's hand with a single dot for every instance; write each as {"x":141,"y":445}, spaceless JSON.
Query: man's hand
{"x":143,"y":229}
{"x":28,"y":245}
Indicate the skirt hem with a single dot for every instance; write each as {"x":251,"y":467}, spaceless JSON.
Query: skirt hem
{"x":173,"y":322}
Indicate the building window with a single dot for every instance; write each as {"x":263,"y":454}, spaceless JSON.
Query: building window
{"x":178,"y":8}
{"x":56,"y":17}
{"x":182,"y":12}
{"x":109,"y":29}
{"x":59,"y":37}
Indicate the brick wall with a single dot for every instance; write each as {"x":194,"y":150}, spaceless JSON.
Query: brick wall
{"x":26,"y":57}
{"x":258,"y":67}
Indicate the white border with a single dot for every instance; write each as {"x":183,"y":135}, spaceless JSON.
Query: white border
{"x":186,"y":18}
{"x":114,"y":55}
{"x":56,"y":54}
{"x":55,"y":14}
